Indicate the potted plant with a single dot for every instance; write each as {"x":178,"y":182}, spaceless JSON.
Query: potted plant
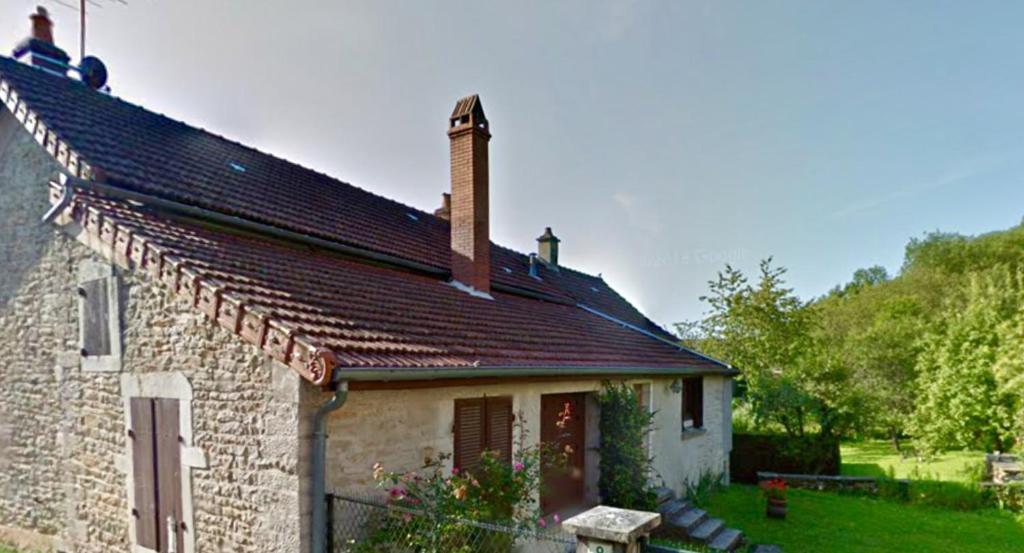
{"x":775,"y":492}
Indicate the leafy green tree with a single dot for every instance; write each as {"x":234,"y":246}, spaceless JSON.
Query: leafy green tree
{"x":767,"y":331}
{"x":961,"y":403}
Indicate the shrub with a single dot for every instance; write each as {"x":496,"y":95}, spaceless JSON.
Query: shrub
{"x":782,"y":453}
{"x":1010,"y":496}
{"x":700,"y":493}
{"x":625,"y":463}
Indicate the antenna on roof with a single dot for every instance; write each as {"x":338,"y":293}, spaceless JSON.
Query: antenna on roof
{"x":82,"y":12}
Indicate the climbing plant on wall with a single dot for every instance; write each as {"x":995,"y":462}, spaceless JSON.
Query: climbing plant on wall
{"x":625,"y":460}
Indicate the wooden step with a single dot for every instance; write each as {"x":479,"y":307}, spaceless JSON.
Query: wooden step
{"x":708,"y":530}
{"x":689,"y":519}
{"x":727,"y":540}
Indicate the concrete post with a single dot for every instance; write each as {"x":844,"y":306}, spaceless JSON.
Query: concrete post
{"x":611,"y":530}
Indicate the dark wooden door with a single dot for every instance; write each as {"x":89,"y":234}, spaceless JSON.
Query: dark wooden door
{"x":563,"y":484}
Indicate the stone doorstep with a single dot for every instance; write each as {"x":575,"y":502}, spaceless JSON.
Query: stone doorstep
{"x":727,"y":540}
{"x":665,"y":495}
{"x":708,"y":530}
{"x":690,"y":519}
{"x":673,"y":507}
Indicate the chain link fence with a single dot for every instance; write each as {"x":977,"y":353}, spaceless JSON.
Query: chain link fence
{"x":364,"y":525}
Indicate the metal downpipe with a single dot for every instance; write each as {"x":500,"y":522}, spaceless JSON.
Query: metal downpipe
{"x":318,"y":462}
{"x":66,"y":194}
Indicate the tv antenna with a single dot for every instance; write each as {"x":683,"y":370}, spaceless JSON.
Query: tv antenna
{"x":82,"y":10}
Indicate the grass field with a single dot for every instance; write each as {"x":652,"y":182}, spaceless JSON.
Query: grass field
{"x":834,"y":523}
{"x":874,"y":458}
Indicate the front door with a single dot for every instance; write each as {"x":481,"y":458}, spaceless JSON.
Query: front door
{"x":563,"y":426}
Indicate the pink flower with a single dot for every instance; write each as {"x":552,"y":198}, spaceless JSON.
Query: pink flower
{"x":542,"y":523}
{"x":520,"y":467}
{"x":558,"y":519}
{"x":455,"y":470}
{"x":397,"y":494}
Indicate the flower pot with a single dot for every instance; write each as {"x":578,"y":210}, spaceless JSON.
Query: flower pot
{"x":776,"y":508}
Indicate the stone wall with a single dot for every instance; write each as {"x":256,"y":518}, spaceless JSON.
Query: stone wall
{"x":399,"y":428}
{"x":64,"y":473}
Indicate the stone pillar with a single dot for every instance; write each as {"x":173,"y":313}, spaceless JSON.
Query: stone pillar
{"x":611,"y":530}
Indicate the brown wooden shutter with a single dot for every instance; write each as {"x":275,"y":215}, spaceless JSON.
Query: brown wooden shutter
{"x":95,"y":323}
{"x":144,"y":472}
{"x":499,"y":426}
{"x":168,"y":464}
{"x":470,"y":433}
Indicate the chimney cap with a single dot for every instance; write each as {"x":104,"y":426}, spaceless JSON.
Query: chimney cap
{"x":469,"y":111}
{"x":548,"y":236}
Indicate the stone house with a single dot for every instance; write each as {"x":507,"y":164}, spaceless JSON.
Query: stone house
{"x":201,"y":339}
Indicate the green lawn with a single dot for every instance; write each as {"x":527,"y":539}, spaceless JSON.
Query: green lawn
{"x":5,"y":549}
{"x":834,"y":523}
{"x":875,"y":458}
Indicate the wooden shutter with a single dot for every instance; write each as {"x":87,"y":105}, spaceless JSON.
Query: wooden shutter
{"x":156,"y":469}
{"x":499,"y":426}
{"x":144,"y":472}
{"x":469,"y":433}
{"x":96,"y":317}
{"x":168,"y":463}
{"x":482,"y":424}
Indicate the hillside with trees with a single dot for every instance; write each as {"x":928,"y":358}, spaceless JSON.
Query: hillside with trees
{"x":933,"y":355}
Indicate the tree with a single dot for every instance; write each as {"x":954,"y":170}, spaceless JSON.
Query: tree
{"x":766,"y":331}
{"x":962,"y":403}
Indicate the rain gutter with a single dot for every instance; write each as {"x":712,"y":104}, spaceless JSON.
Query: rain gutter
{"x":390,"y":374}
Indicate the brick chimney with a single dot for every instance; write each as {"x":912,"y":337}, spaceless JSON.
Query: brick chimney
{"x":547,"y":248}
{"x":468,"y":133}
{"x":445,"y":211}
{"x":45,"y":54}
{"x":42,"y":27}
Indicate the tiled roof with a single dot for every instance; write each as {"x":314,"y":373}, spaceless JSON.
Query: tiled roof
{"x":294,"y":303}
{"x":362,"y":315}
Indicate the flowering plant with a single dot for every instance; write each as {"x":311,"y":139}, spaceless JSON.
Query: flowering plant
{"x":497,"y":491}
{"x":774,"y":489}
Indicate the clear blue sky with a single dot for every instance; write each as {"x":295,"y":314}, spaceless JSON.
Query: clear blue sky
{"x":659,"y":139}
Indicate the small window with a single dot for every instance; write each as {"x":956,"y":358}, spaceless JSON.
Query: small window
{"x":693,"y":403}
{"x":482,"y":424}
